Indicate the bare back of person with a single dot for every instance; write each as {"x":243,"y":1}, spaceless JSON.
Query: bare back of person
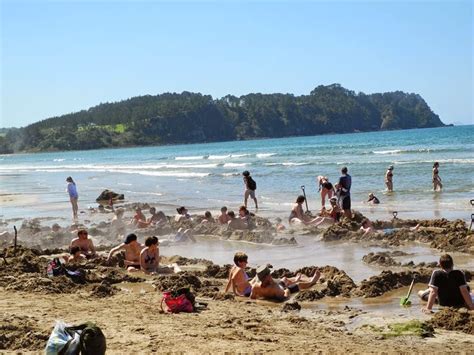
{"x":132,"y":253}
{"x":240,"y":281}
{"x":85,"y":245}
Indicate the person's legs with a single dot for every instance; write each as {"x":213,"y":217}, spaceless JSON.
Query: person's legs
{"x":307,"y":284}
{"x":75,"y":208}
{"x":346,"y":206}
{"x":256,"y":203}
{"x":246,"y":197}
{"x":324,"y":193}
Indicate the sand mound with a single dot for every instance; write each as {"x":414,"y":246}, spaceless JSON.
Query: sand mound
{"x":176,"y":281}
{"x":454,"y":319}
{"x":21,"y":333}
{"x":218,"y":272}
{"x":181,"y":260}
{"x":388,"y":280}
{"x":380,"y":258}
{"x":291,"y":306}
{"x":104,"y":289}
{"x":38,"y":283}
{"x":309,"y":295}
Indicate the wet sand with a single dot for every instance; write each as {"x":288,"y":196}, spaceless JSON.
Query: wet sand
{"x":339,"y":314}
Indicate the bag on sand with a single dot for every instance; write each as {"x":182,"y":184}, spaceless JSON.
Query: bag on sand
{"x":91,"y":339}
{"x":181,"y":300}
{"x":84,"y":339}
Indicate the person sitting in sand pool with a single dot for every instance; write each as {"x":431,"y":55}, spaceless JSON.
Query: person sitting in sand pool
{"x":139,"y":219}
{"x":208,"y":218}
{"x":279,"y":290}
{"x":389,"y":178}
{"x":75,"y":255}
{"x":297,"y":215}
{"x":367,"y":227}
{"x":238,"y":278}
{"x":157,"y":218}
{"x":182,"y":214}
{"x":436,"y":178}
{"x":132,"y":250}
{"x":150,"y":259}
{"x":223,"y":217}
{"x":279,"y":226}
{"x":373,"y":199}
{"x":236,"y":223}
{"x":84,"y":243}
{"x":448,"y":286}
{"x":326,"y":189}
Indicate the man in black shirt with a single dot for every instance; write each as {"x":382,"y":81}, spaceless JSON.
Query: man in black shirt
{"x":344,"y":192}
{"x":449,"y":286}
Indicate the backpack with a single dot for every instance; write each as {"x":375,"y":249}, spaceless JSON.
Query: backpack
{"x":180,"y":300}
{"x":251,"y":184}
{"x":91,"y":340}
{"x":55,"y":268}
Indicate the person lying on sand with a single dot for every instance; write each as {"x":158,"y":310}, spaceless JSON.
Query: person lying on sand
{"x":84,"y":243}
{"x":150,"y":259}
{"x":238,"y":278}
{"x":132,"y":250}
{"x":366,"y":226}
{"x":223,"y":217}
{"x":75,"y":255}
{"x":448,"y":286}
{"x":297,"y":215}
{"x":279,"y":290}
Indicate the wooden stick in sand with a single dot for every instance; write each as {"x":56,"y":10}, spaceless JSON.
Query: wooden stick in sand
{"x":14,"y":245}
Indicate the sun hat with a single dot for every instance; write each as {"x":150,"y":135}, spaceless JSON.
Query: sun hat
{"x":262,"y":272}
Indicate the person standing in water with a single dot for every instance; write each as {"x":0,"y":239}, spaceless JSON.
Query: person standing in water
{"x":73,"y":196}
{"x":326,"y":189}
{"x":250,"y":187}
{"x":344,"y":192}
{"x":436,"y":179}
{"x":389,"y":178}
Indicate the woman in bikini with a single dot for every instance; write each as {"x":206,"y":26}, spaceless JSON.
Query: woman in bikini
{"x":436,"y":179}
{"x":326,"y":189}
{"x":389,"y":178}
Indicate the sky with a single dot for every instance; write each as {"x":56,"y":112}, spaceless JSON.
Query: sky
{"x":59,"y":57}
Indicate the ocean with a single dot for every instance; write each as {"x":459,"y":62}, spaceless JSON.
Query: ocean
{"x":208,"y":176}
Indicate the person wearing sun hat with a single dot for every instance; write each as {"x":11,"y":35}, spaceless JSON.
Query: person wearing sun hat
{"x":389,"y":178}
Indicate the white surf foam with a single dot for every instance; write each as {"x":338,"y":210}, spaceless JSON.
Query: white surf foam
{"x":265,"y":155}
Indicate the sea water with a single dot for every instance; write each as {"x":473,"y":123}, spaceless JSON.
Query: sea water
{"x":208,"y":176}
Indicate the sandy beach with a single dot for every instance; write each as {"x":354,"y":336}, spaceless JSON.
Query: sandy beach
{"x":350,"y":309}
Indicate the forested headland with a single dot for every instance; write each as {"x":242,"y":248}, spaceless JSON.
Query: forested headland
{"x":187,"y":117}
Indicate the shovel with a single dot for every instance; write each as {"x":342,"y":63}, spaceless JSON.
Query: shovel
{"x":305,"y":200}
{"x":405,"y":301}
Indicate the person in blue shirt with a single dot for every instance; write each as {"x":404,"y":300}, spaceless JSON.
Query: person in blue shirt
{"x":73,"y":196}
{"x":344,"y":192}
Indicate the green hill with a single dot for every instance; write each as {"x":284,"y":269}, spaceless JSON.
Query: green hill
{"x":194,"y":118}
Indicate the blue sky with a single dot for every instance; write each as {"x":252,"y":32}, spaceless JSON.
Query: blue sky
{"x":60,"y":57}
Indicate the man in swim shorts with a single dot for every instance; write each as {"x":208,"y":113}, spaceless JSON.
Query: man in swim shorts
{"x":238,"y":278}
{"x":279,"y":290}
{"x":132,"y":252}
{"x":84,"y":243}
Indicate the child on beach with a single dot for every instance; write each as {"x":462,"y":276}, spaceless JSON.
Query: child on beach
{"x":132,"y":250}
{"x":208,"y":218}
{"x":223,"y":217}
{"x":238,"y":278}
{"x":75,"y":255}
{"x":73,"y":196}
{"x":373,"y":199}
{"x":250,"y":187}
